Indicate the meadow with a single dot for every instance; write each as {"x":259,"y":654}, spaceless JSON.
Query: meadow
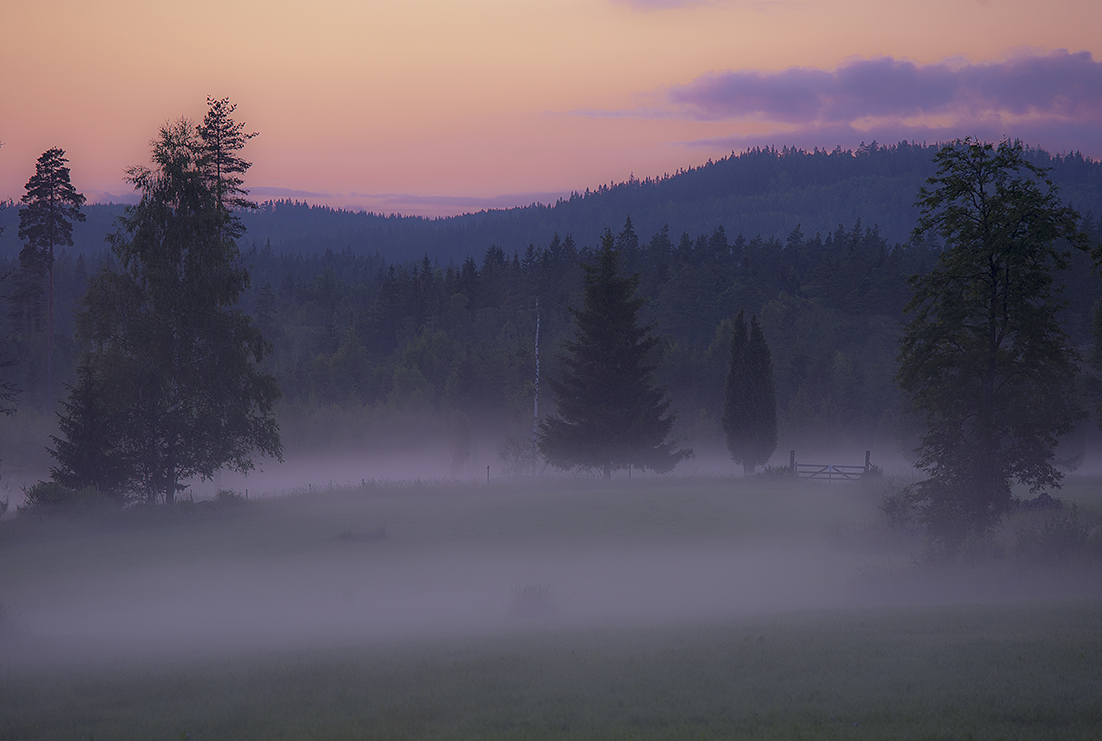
{"x":656,"y":608}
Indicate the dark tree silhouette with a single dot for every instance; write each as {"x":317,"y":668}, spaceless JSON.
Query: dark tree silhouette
{"x":7,"y":388}
{"x":221,"y":140}
{"x":170,"y":361}
{"x":50,"y":206}
{"x":750,"y":404}
{"x":611,"y":415}
{"x":984,"y":358}
{"x":92,"y":448}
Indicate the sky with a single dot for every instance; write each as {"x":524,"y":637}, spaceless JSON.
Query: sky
{"x":437,"y":107}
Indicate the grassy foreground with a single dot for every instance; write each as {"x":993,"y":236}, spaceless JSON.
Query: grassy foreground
{"x":945,"y":673}
{"x":1005,"y":669}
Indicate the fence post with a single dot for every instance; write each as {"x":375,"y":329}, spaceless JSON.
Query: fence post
{"x":868,"y":453}
{"x":792,"y":460}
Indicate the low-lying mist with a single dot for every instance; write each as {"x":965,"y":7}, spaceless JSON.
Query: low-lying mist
{"x":336,"y":565}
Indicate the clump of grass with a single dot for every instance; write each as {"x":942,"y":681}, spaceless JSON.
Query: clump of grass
{"x":534,"y":600}
{"x":363,"y":536}
{"x":776,"y":472}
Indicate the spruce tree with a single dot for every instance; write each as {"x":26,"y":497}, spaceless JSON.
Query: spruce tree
{"x":50,"y":206}
{"x":750,"y":404}
{"x":610,"y":414}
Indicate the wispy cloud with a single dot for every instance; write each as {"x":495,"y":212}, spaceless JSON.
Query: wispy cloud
{"x":1057,"y":96}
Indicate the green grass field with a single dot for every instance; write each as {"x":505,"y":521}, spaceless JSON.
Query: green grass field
{"x":676,"y":608}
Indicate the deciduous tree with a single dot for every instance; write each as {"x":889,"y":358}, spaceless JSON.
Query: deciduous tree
{"x":610,"y":413}
{"x":170,"y":360}
{"x":983,"y":357}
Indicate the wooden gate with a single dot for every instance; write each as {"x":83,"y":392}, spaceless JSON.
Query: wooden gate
{"x":828,"y":471}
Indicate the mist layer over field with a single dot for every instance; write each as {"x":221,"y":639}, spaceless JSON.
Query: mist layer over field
{"x":423,"y":560}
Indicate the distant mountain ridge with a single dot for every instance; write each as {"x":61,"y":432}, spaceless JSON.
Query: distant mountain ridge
{"x":766,"y":192}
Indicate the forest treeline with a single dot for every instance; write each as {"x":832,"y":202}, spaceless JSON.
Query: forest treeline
{"x":380,"y":324}
{"x":394,"y":345}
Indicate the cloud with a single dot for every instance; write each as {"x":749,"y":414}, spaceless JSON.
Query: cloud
{"x":1058,"y":84}
{"x":1056,"y":96}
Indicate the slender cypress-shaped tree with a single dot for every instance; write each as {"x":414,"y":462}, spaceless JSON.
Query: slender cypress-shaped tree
{"x":610,"y":414}
{"x":50,"y":206}
{"x":750,"y":404}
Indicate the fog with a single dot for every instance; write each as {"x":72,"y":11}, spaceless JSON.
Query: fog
{"x":415,"y":560}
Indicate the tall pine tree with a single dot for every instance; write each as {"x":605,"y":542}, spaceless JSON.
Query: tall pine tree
{"x":50,"y":206}
{"x":750,"y":404}
{"x":610,"y":414}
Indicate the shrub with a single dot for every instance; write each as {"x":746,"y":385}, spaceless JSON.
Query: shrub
{"x":228,"y":497}
{"x":1058,"y":537}
{"x":50,"y":497}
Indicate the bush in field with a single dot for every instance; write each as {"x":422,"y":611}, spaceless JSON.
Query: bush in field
{"x":50,"y":497}
{"x":1057,"y":536}
{"x":228,"y":497}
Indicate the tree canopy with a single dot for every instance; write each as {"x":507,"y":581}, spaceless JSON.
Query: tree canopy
{"x":610,"y":413}
{"x":984,"y":358}
{"x":169,"y":386}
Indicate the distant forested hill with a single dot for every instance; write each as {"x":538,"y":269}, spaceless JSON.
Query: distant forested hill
{"x":766,"y":192}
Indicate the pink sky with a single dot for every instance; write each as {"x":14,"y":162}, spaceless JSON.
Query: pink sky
{"x":441,"y":106}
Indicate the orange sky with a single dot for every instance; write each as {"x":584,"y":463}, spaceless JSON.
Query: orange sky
{"x":477,"y":99}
